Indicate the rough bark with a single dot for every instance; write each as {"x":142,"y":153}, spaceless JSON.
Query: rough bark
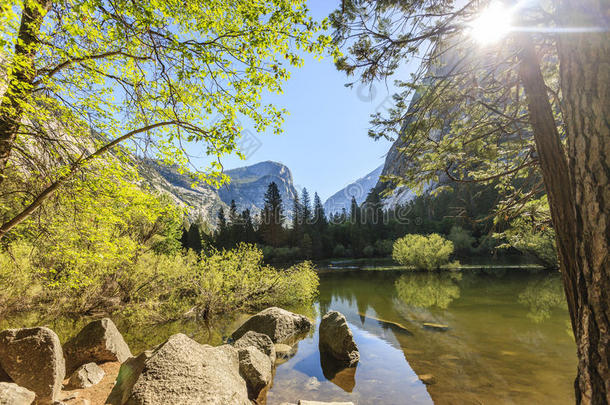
{"x":21,"y":76}
{"x":577,"y":184}
{"x":585,"y":85}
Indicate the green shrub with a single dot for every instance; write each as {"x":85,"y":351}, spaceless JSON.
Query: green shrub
{"x":368,"y":251}
{"x":422,"y":252}
{"x":383,"y":247}
{"x":463,"y":241}
{"x":339,"y":251}
{"x":532,"y":233}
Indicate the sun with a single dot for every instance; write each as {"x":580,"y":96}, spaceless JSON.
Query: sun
{"x":491,"y":25}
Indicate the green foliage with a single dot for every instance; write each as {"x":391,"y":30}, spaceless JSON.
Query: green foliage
{"x":422,"y":252}
{"x":463,"y":241}
{"x":368,"y":251}
{"x":542,"y":297}
{"x":531,"y":233}
{"x":384,"y":247}
{"x":339,"y":250}
{"x":428,"y":290}
{"x":156,"y":287}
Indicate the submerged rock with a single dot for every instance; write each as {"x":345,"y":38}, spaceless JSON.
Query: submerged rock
{"x":337,"y":339}
{"x":181,"y":371}
{"x":284,"y":352}
{"x":436,"y":327}
{"x":427,"y":379}
{"x":258,"y":340}
{"x":13,"y":394}
{"x":85,"y":376}
{"x":277,"y":323}
{"x":98,"y":342}
{"x":256,"y":369}
{"x":33,"y":359}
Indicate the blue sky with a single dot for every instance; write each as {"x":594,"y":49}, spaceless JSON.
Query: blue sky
{"x":324,"y":140}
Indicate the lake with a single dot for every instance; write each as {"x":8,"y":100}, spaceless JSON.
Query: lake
{"x":508,"y":341}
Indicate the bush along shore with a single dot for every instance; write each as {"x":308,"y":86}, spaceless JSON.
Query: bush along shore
{"x":96,"y":366}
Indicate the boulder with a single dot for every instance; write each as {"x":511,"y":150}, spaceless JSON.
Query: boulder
{"x":260,"y":341}
{"x":33,"y":359}
{"x":256,"y":369}
{"x":128,"y":375}
{"x":13,"y":394}
{"x":284,"y":352}
{"x":98,"y":342}
{"x":277,"y":323}
{"x":304,"y":402}
{"x":85,"y":376}
{"x":337,"y":339}
{"x":181,"y":371}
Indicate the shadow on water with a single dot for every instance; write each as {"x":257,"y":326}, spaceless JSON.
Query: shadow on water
{"x":498,"y":336}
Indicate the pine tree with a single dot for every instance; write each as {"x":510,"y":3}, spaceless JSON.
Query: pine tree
{"x":354,"y":213}
{"x":220,"y":235}
{"x":247,"y":235}
{"x":272,"y":217}
{"x":306,"y":207}
{"x":194,"y":238}
{"x":319,"y":217}
{"x":297,"y":219}
{"x":233,"y":216}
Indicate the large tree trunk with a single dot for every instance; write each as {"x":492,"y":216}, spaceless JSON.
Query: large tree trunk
{"x":20,"y":77}
{"x":585,"y":86}
{"x":578,"y":189}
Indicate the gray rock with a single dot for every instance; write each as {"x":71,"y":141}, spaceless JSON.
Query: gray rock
{"x":260,"y":341}
{"x":181,"y":371}
{"x":277,"y":323}
{"x":98,"y":342}
{"x":85,"y":376}
{"x":33,"y":359}
{"x":256,"y":369}
{"x":13,"y":394}
{"x":128,"y":375}
{"x":304,"y":402}
{"x":284,"y":352}
{"x":337,"y":339}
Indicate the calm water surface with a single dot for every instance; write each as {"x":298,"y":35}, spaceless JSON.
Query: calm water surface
{"x":509,"y":340}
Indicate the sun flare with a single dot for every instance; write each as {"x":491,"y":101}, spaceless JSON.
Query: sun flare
{"x":491,"y":25}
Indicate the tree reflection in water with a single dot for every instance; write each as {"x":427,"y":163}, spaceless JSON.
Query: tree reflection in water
{"x":425,"y":290}
{"x":542,"y":296}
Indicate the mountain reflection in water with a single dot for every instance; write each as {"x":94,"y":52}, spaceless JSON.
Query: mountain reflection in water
{"x":508,"y":340}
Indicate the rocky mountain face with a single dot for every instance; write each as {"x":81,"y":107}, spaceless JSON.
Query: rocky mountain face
{"x":200,"y":199}
{"x":359,"y":189}
{"x":247,"y":187}
{"x":249,"y":184}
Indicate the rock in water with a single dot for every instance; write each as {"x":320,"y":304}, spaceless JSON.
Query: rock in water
{"x":256,"y":368}
{"x":284,"y":352}
{"x":98,"y":342}
{"x":337,"y":339}
{"x":12,"y":394}
{"x":181,"y":371}
{"x":260,"y":341}
{"x":33,"y":359}
{"x":277,"y":323}
{"x":438,"y":327}
{"x":85,"y":376}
